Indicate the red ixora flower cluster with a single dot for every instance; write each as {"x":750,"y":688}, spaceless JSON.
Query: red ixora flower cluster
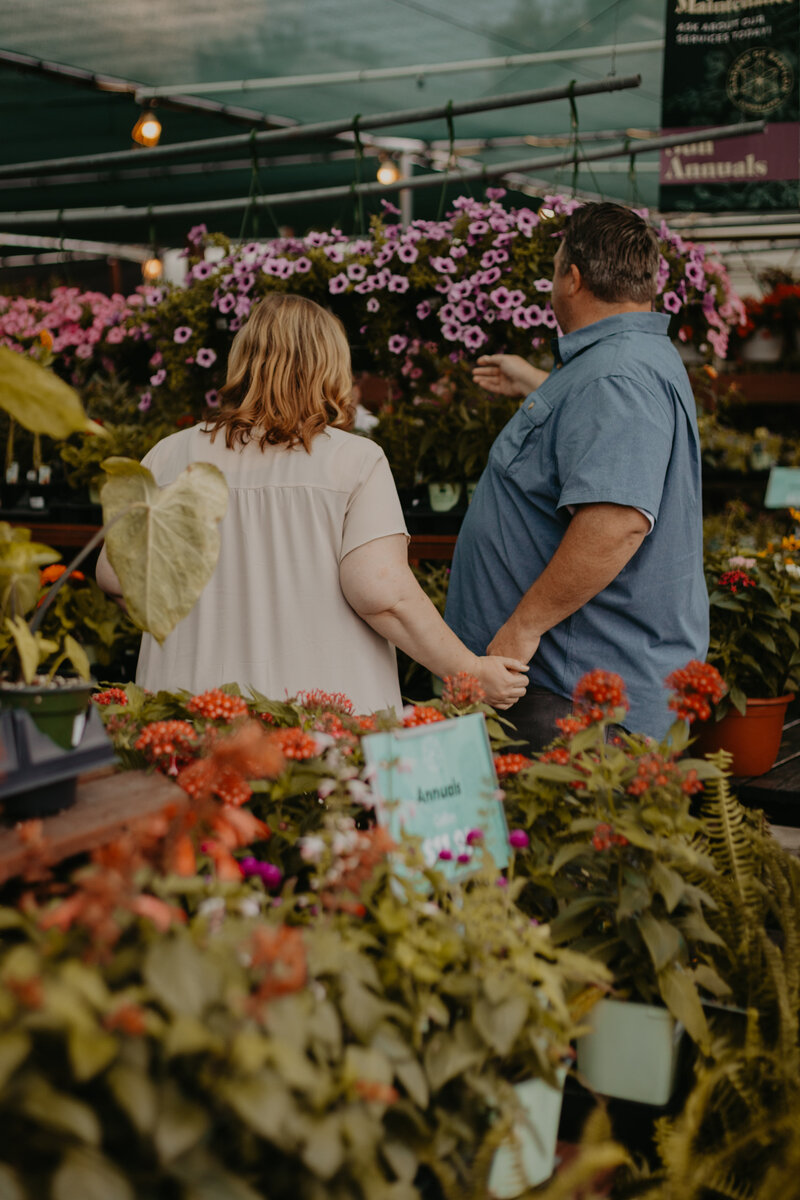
{"x":597,"y":694}
{"x":604,"y":837}
{"x":696,"y":687}
{"x":510,"y":764}
{"x":735,"y":581}
{"x":295,"y":743}
{"x":167,"y":743}
{"x":112,"y":695}
{"x":332,"y":701}
{"x":421,"y":714}
{"x":462,"y":689}
{"x":217,"y":705}
{"x":654,"y":771}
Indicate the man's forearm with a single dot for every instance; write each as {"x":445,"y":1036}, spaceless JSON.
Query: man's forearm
{"x":598,"y":542}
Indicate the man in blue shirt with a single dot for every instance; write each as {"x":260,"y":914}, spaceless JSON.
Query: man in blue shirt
{"x":582,"y":546}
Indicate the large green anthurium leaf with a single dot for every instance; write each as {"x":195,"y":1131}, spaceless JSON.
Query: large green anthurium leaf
{"x":39,"y":400}
{"x":165,"y":546}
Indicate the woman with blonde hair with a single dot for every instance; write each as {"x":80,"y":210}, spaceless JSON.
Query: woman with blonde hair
{"x":312,"y":588}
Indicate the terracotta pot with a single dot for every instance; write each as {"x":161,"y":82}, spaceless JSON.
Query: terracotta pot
{"x":753,"y":738}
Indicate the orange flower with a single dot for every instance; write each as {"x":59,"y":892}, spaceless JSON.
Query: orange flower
{"x":183,"y":860}
{"x":128,"y":1018}
{"x":225,"y":864}
{"x":158,"y":911}
{"x":46,"y":339}
{"x":50,"y":574}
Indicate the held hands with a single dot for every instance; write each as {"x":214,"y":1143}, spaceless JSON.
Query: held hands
{"x":504,"y":680}
{"x":507,"y":375}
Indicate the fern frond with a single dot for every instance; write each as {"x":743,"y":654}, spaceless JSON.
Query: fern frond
{"x":729,"y":838}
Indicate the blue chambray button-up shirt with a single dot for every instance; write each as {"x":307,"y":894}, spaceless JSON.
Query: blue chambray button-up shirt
{"x":615,"y":424}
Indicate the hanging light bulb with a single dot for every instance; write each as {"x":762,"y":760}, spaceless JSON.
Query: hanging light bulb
{"x":147,"y":130}
{"x":388,"y":170}
{"x":152,"y":269}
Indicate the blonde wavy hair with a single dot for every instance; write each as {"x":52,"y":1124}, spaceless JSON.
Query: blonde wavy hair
{"x":289,"y":376}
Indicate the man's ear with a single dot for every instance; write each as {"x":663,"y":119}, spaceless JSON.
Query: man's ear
{"x":575,"y":280}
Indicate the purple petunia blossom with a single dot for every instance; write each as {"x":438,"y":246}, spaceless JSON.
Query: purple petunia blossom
{"x":423,"y":310}
{"x":451,"y":330}
{"x":465,"y":311}
{"x":543,"y":285}
{"x":159,"y":377}
{"x":407,"y":253}
{"x":520,"y":318}
{"x":444,"y":265}
{"x":500,"y":296}
{"x":201,"y":270}
{"x":671,"y":302}
{"x":447,"y":312}
{"x":212,"y":398}
{"x":535,"y":314}
{"x":495,"y":193}
{"x":695,"y":274}
{"x":491,"y":276}
{"x":339,"y":283}
{"x":206,"y":357}
{"x":488,"y":259}
{"x":373,"y":304}
{"x":356,"y":272}
{"x":182,"y":334}
{"x":397,"y":343}
{"x":478,"y":227}
{"x":474,"y":337}
{"x":366,"y":285}
{"x":145,"y":400}
{"x":196,"y":234}
{"x":399,"y":283}
{"x":302,"y":265}
{"x":317,"y":239}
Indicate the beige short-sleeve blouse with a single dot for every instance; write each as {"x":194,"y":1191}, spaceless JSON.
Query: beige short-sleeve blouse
{"x":273,"y":616}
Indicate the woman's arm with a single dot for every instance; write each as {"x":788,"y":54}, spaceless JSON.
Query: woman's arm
{"x":379,"y":585}
{"x":106,"y":578}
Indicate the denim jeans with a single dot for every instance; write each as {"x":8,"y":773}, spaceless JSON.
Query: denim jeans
{"x":534,"y":717}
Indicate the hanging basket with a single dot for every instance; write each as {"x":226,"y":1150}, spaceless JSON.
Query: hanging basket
{"x":753,"y":738}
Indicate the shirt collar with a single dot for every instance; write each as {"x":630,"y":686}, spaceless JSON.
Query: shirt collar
{"x":566,"y":347}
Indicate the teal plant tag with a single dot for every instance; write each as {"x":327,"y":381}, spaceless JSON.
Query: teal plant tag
{"x":783,"y":488}
{"x":438,"y":782}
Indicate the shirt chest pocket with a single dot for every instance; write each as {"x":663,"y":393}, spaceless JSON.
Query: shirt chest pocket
{"x":525,"y":434}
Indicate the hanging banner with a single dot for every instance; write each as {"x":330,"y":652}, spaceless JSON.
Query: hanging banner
{"x":727,"y":61}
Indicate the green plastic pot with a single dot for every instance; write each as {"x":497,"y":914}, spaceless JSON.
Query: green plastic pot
{"x":58,"y":710}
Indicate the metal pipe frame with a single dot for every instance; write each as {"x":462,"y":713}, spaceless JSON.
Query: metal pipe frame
{"x":495,"y":171}
{"x":321,"y":129}
{"x":277,"y":83}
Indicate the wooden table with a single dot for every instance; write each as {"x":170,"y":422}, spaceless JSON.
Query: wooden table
{"x":778,"y":791}
{"x":108,"y":802}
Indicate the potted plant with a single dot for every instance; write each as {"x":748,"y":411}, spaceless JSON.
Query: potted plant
{"x":182,"y":526}
{"x":610,"y":859}
{"x":754,"y":598}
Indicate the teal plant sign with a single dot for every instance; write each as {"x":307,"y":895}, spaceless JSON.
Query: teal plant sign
{"x":438,"y":782}
{"x":783,"y":488}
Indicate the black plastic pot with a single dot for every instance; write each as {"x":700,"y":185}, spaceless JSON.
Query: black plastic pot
{"x":49,"y":736}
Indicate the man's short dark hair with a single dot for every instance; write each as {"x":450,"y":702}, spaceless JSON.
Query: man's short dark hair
{"x":615,"y":250}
